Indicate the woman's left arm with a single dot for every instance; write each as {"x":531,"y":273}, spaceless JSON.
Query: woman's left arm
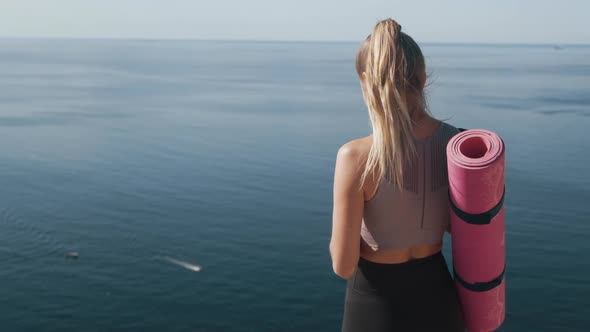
{"x":348,"y":211}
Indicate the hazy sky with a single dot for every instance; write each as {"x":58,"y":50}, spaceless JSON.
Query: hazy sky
{"x":485,"y":21}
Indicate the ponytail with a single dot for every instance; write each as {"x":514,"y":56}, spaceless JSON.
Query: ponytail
{"x":394,"y":81}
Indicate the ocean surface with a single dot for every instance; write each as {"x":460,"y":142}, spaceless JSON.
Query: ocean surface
{"x":221,"y":154}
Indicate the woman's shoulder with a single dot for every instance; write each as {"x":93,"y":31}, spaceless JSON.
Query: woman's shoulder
{"x":353,"y":155}
{"x":356,"y":148}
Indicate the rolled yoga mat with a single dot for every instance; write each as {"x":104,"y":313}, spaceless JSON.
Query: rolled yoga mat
{"x":475,"y":160}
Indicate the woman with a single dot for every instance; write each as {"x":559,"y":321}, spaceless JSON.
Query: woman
{"x":390,"y":198}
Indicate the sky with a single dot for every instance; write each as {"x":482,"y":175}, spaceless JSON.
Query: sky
{"x":462,"y":21}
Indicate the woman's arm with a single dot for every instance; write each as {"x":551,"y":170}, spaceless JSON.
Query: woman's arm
{"x":348,"y":210}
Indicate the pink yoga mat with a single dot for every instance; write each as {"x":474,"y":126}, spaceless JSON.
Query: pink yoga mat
{"x":475,"y":160}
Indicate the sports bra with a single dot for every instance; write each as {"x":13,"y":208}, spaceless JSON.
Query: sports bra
{"x":418,"y":214}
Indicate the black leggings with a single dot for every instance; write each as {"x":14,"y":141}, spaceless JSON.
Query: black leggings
{"x":418,"y":295}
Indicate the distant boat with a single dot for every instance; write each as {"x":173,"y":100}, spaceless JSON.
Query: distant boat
{"x":186,"y":265}
{"x":557,"y":47}
{"x":72,"y":255}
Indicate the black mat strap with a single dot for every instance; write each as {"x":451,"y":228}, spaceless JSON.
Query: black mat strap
{"x":480,"y":286}
{"x":479,"y":218}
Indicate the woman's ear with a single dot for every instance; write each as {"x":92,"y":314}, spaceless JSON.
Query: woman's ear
{"x":363,"y":80}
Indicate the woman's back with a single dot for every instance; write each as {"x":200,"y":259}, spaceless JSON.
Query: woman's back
{"x":416,"y":214}
{"x":408,"y":222}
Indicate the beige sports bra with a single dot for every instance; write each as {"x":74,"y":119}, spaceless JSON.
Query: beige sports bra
{"x":419,"y":213}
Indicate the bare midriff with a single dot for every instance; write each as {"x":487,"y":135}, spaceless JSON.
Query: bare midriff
{"x":395,"y":256}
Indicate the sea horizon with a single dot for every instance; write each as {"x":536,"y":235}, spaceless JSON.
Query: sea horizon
{"x":300,"y":41}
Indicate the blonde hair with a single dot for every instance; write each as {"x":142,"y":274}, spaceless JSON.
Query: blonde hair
{"x":394,"y":81}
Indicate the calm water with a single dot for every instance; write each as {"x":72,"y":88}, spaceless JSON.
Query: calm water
{"x":221,"y":154}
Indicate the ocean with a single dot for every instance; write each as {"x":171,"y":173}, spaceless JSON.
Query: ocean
{"x":221,"y":154}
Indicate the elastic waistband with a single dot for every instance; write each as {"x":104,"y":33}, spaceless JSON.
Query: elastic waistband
{"x":407,"y":264}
